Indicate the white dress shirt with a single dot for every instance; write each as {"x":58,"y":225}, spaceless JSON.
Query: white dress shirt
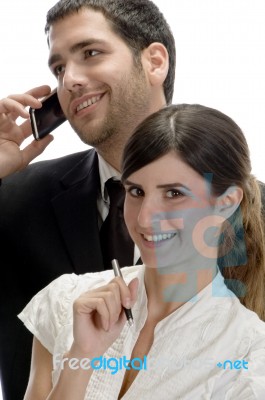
{"x":188,"y":344}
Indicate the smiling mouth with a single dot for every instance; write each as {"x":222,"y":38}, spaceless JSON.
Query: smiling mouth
{"x":159,"y":237}
{"x":88,"y":102}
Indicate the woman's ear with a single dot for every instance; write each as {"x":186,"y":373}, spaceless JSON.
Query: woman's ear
{"x":155,"y":61}
{"x":229,"y":201}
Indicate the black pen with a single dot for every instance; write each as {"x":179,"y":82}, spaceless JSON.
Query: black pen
{"x":117,"y":272}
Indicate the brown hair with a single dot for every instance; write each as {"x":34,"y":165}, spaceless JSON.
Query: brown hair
{"x":211,"y":142}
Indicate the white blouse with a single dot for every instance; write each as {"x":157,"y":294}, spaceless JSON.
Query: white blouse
{"x":210,"y":348}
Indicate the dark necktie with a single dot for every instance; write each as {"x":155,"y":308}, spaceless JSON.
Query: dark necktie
{"x":114,"y":237}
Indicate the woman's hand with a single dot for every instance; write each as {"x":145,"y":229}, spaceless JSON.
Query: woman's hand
{"x":12,"y":135}
{"x":99,"y":317}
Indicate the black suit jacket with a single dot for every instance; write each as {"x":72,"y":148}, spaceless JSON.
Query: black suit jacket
{"x":48,"y":227}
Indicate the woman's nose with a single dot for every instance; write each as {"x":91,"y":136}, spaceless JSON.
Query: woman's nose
{"x":154,"y":216}
{"x":148,"y":214}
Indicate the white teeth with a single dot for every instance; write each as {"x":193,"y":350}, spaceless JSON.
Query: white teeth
{"x":159,"y":237}
{"x":88,"y":103}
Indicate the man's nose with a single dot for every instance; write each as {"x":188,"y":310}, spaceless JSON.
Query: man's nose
{"x":75,"y":77}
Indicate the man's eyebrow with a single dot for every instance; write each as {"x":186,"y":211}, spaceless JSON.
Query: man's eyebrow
{"x":73,"y":49}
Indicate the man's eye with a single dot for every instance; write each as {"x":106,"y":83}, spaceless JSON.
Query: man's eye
{"x":174,"y":193}
{"x":58,"y":70}
{"x":91,"y":53}
{"x":135,"y":192}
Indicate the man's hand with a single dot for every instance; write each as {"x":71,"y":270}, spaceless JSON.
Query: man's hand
{"x":12,"y":135}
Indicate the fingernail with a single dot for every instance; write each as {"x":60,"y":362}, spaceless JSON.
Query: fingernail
{"x":127,"y":303}
{"x":106,"y":326}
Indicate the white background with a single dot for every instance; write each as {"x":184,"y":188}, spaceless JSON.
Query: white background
{"x":220,"y":61}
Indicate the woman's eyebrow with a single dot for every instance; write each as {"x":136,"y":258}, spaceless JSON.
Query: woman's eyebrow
{"x":163,"y":186}
{"x":174,"y":184}
{"x":127,"y":182}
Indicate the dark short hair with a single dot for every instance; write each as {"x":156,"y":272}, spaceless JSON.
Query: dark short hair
{"x":206,"y":139}
{"x":138,"y":22}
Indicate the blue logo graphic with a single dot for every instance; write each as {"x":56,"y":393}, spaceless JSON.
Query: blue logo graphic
{"x":237,"y":364}
{"x":113,"y":364}
{"x":197,"y":240}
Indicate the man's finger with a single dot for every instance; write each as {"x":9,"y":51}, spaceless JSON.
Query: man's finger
{"x":34,"y":149}
{"x":39,"y":91}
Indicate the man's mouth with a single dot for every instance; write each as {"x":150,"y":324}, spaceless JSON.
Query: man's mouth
{"x":159,"y":237}
{"x":88,"y":102}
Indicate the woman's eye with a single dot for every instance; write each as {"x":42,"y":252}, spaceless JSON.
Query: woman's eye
{"x":135,"y":192}
{"x":174,"y":193}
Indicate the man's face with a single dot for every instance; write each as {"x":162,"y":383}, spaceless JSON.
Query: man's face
{"x":101,"y":90}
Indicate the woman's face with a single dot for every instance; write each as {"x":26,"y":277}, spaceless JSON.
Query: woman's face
{"x":170,"y":214}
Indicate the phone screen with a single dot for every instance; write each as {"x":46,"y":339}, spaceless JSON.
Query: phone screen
{"x":47,"y":118}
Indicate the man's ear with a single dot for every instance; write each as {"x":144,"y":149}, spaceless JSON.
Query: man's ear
{"x":155,"y":61}
{"x":229,"y":201}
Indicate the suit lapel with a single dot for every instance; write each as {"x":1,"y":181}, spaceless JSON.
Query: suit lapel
{"x":76,"y":212}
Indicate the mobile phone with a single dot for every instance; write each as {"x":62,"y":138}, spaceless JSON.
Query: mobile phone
{"x":47,"y":118}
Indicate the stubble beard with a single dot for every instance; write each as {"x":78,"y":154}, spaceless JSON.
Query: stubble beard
{"x":128,"y":106}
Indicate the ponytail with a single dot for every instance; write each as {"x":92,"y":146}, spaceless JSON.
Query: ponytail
{"x":250,"y":273}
